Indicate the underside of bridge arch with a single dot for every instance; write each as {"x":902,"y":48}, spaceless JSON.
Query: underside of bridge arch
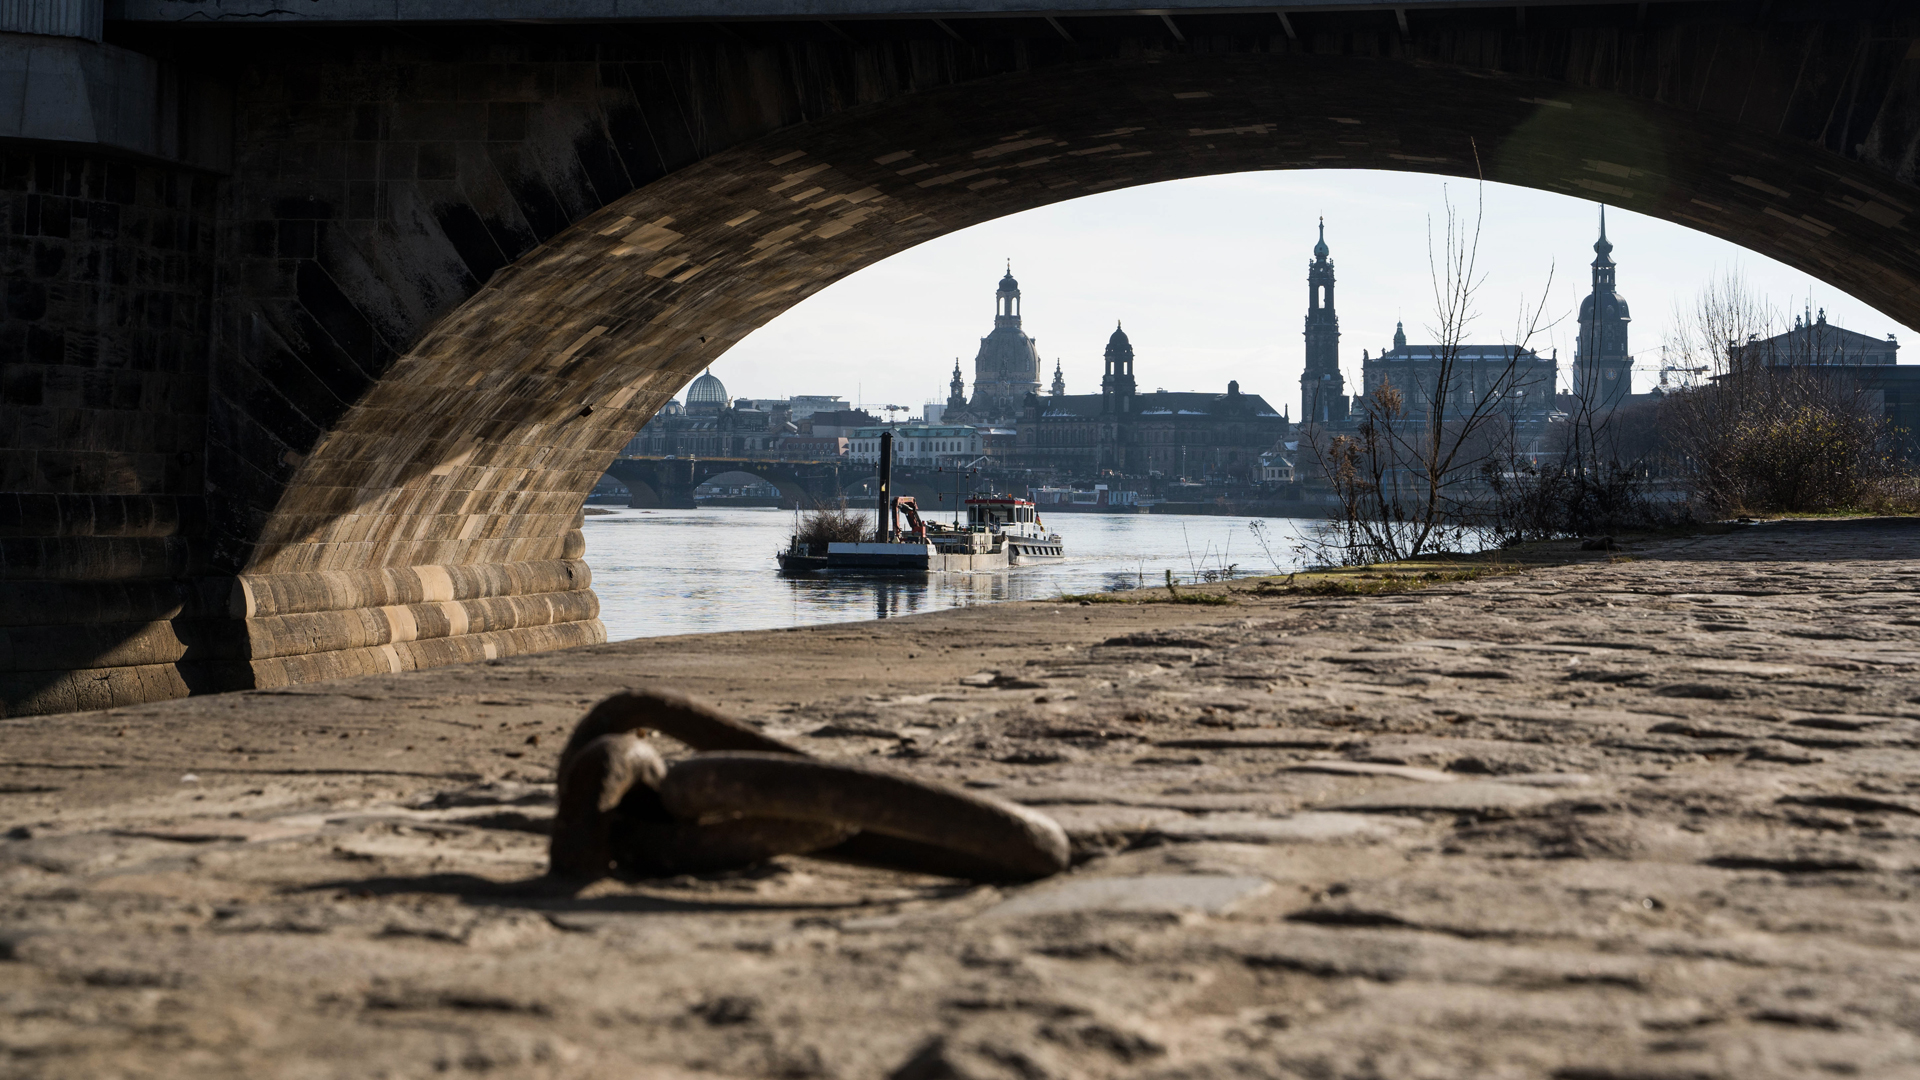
{"x":406,"y":407}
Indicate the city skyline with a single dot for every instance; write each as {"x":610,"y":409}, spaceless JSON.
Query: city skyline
{"x":1210,"y":276}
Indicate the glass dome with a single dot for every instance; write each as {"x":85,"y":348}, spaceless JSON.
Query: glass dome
{"x":707,"y":390}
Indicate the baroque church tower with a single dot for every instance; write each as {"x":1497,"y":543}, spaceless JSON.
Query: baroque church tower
{"x":1602,"y":370}
{"x":1116,"y":402}
{"x":1059,"y":380}
{"x":1116,"y":386}
{"x":956,"y":392}
{"x":1007,"y":368}
{"x":1323,"y":396}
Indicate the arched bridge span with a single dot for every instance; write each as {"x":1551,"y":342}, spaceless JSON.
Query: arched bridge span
{"x":803,"y":484}
{"x":316,"y":387}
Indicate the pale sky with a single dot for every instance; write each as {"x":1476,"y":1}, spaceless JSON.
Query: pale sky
{"x":1209,"y":277}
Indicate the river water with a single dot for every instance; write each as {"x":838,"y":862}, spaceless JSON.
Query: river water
{"x":692,"y":571}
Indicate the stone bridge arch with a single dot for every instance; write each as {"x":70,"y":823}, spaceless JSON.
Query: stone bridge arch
{"x":802,"y":485}
{"x":446,"y":273}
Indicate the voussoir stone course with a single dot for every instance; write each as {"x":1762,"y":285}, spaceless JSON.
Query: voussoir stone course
{"x":1310,"y":838}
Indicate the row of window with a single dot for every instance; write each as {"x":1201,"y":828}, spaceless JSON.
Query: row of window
{"x":935,"y":446}
{"x":1087,"y":437}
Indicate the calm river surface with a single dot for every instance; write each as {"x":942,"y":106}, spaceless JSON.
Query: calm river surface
{"x":692,"y":571}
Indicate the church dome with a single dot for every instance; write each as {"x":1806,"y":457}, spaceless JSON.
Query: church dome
{"x":1320,"y":249}
{"x":1007,"y":284}
{"x":1119,"y":338}
{"x":1615,"y":308}
{"x":707,"y":390}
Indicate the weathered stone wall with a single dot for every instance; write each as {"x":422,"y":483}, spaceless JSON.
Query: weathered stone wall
{"x":109,"y":272}
{"x":457,"y":267}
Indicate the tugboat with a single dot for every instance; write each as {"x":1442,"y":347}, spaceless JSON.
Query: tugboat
{"x":1017,"y":526}
{"x":921,"y":547}
{"x":799,"y":558}
{"x":1000,"y":532}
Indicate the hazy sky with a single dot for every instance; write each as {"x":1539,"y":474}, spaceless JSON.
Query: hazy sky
{"x":1209,"y":277}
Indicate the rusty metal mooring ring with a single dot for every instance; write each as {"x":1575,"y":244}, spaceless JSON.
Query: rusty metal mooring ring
{"x":699,"y":726}
{"x":749,"y":797}
{"x":609,"y":816}
{"x":662,"y":849}
{"x":593,"y":780}
{"x":1016,"y":842}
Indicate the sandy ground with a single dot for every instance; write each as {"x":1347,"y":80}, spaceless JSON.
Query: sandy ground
{"x":1654,"y":818}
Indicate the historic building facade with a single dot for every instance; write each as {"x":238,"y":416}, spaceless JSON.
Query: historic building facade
{"x":1522,"y":379}
{"x":1123,"y":432}
{"x":937,"y":445}
{"x":1813,"y":341}
{"x":1520,"y":383}
{"x":710,"y":424}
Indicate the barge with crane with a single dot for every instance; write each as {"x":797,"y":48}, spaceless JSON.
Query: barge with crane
{"x":1000,"y":532}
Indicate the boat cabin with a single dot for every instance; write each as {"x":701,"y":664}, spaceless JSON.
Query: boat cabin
{"x":999,"y":512}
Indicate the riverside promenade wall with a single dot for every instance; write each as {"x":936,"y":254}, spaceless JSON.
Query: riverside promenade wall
{"x":1608,"y":819}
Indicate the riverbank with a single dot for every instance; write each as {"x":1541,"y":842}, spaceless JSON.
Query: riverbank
{"x":1644,"y":813}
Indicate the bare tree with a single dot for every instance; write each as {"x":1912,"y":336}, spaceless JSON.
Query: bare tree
{"x":1410,"y":477}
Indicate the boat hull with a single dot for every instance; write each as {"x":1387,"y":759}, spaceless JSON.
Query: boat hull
{"x":909,"y":559}
{"x":1024,"y":550}
{"x":795,"y":563}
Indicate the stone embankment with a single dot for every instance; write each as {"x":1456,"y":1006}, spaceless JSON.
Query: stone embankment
{"x":1646,"y":817}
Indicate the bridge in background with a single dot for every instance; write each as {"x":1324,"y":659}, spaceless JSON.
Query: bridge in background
{"x":669,"y":481}
{"x":321,"y":319}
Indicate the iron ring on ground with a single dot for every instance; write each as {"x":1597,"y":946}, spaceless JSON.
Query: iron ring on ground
{"x":1011,"y":840}
{"x":593,"y":780}
{"x":662,"y":849}
{"x":676,"y":715}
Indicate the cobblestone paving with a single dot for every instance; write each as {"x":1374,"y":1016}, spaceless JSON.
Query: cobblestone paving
{"x":1656,"y":818}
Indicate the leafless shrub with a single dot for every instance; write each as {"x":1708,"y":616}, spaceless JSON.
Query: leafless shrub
{"x":1781,"y":425}
{"x":1600,"y":476}
{"x":1781,"y":441}
{"x":1562,"y":498}
{"x":831,"y":525}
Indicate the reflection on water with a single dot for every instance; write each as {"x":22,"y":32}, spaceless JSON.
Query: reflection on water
{"x":692,"y":571}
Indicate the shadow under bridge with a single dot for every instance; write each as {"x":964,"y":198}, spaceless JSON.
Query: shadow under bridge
{"x":460,"y":263}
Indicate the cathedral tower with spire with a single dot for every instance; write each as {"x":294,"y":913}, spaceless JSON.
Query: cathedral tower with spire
{"x":1323,"y":396}
{"x":1602,"y":368}
{"x":1059,"y":380}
